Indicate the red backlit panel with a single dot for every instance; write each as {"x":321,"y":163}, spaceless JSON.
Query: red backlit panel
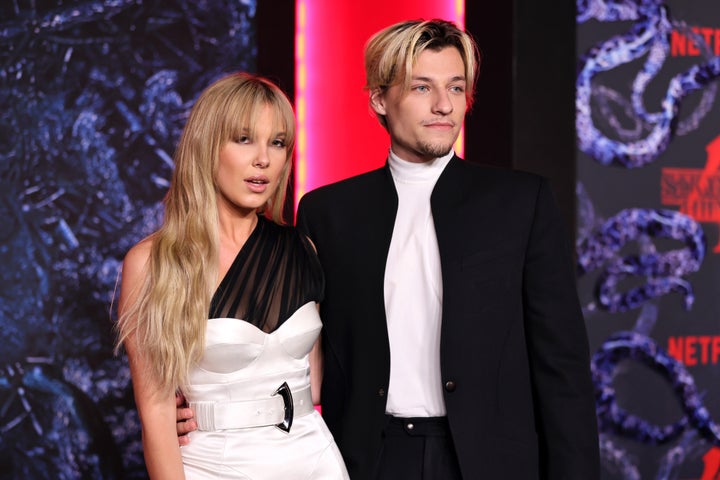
{"x":338,"y":136}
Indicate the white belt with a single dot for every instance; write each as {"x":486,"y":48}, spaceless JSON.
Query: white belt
{"x":279,"y":409}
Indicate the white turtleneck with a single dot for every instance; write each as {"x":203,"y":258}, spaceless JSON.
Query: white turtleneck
{"x":413,"y":293}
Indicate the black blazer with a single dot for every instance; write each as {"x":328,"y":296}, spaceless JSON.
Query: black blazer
{"x":514,"y":349}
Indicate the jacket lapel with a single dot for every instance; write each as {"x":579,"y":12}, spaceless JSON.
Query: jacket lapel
{"x":388,"y":206}
{"x":450,"y":189}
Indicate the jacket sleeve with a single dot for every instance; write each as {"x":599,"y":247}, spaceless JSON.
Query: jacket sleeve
{"x":558,"y":350}
{"x":301,"y":221}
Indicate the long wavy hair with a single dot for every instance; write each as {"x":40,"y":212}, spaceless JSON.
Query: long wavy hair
{"x":169,"y":317}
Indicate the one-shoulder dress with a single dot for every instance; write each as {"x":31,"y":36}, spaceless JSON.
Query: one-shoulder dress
{"x":251,"y":389}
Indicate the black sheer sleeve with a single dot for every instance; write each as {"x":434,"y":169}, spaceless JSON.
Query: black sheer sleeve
{"x":275,"y":273}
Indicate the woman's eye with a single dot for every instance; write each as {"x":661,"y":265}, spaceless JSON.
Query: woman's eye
{"x":279,"y":143}
{"x":243,"y":139}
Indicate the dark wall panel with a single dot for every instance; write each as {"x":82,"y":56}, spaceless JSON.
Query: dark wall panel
{"x":524,"y":114}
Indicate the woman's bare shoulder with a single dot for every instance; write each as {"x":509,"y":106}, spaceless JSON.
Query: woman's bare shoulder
{"x":136,"y":259}
{"x":139,"y":253}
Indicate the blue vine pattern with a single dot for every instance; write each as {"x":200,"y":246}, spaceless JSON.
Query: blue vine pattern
{"x":649,"y":36}
{"x":636,"y":145}
{"x":638,"y":347}
{"x":664,"y":271}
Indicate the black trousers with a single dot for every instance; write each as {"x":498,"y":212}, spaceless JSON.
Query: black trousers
{"x":418,"y":449}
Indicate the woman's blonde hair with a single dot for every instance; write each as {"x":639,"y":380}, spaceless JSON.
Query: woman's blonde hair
{"x":170,"y":314}
{"x":391,"y":53}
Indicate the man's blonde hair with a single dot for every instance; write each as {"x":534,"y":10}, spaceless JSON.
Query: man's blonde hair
{"x":391,"y":53}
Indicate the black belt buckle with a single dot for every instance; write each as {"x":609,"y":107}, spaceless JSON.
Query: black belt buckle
{"x":284,"y":392}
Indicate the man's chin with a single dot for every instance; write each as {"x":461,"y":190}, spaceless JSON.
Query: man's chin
{"x":436,"y":151}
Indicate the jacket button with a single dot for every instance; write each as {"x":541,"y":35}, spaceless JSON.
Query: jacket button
{"x":381,"y":392}
{"x":450,"y":386}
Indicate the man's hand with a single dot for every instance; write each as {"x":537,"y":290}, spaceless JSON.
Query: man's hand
{"x":185,"y":419}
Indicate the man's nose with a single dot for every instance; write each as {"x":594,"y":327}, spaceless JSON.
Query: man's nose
{"x":442,"y":103}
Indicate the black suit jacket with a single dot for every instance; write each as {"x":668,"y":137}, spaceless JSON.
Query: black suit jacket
{"x":514,"y":350}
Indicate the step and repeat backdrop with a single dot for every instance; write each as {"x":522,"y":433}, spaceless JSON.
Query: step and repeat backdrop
{"x":648,"y":248}
{"x":93,"y":95}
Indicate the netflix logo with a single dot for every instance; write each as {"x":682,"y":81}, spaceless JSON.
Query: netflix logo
{"x":683,"y":46}
{"x":693,"y":350}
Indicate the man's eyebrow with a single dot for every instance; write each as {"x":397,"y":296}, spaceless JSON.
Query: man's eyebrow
{"x":457,"y":78}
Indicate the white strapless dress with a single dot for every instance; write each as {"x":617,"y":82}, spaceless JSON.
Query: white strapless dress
{"x":243,"y":366}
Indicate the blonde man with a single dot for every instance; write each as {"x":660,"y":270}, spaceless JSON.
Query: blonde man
{"x":454,"y":346}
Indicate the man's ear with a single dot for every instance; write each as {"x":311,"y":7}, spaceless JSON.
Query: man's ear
{"x":377,"y":102}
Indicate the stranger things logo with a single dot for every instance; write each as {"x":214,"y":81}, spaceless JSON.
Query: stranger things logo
{"x":696,"y":191}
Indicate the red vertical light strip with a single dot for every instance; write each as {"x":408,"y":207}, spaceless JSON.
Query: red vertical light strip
{"x":337,"y":135}
{"x":459,"y":20}
{"x":301,"y":154}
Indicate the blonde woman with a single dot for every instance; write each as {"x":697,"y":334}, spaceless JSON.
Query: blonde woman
{"x":220,"y":302}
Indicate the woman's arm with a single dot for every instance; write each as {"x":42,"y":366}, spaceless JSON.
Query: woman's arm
{"x":316,"y":357}
{"x":156,"y":408}
{"x":316,"y":370}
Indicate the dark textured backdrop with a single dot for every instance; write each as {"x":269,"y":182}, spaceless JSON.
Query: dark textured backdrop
{"x":93,"y":95}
